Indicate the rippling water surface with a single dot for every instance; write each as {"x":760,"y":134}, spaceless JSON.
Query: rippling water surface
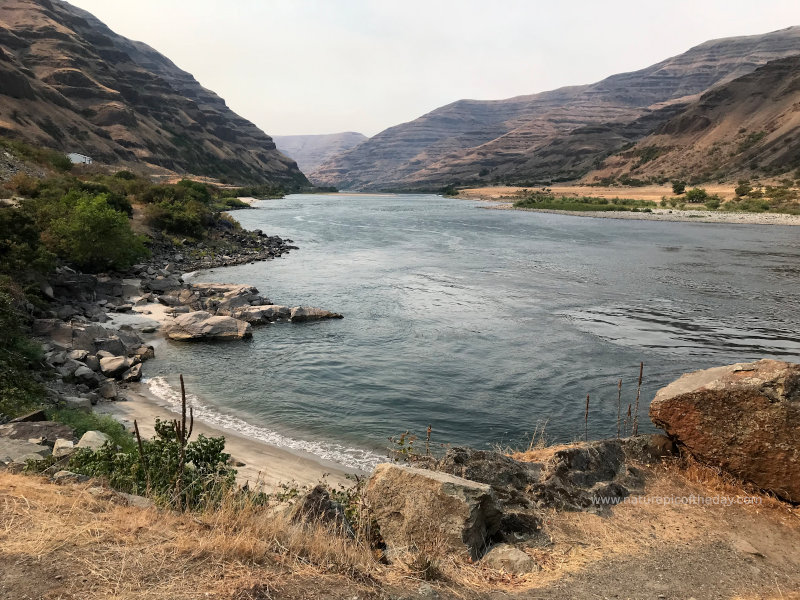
{"x":482,"y":323}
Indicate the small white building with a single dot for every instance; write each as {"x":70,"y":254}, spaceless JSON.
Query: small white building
{"x":79,"y":159}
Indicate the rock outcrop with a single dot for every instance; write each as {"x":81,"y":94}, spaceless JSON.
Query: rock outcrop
{"x":200,"y":325}
{"x":428,"y":511}
{"x":743,"y":418}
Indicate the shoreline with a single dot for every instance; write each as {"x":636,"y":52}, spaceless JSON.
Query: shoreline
{"x":265,"y":465}
{"x":661,"y":214}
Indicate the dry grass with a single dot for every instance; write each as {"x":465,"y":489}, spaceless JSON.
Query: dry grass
{"x":89,"y":546}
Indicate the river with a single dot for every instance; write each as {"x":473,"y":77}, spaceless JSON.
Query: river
{"x":483,"y":324}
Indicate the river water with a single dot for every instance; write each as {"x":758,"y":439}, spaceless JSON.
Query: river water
{"x":483,"y":324}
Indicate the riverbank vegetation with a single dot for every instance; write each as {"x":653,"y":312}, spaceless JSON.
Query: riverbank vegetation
{"x":545,"y":200}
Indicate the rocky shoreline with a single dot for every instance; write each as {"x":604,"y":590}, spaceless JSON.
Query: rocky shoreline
{"x":91,"y":360}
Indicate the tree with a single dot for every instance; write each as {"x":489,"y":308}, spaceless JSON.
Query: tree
{"x":84,"y":230}
{"x":678,"y":187}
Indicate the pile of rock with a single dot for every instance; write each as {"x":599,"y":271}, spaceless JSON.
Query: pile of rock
{"x":479,"y":501}
{"x":221,"y":311}
{"x":32,"y":437}
{"x":91,"y":358}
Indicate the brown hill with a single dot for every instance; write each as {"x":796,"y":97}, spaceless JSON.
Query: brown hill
{"x":310,"y":151}
{"x":750,"y":125}
{"x":522,"y":139}
{"x":68,"y":82}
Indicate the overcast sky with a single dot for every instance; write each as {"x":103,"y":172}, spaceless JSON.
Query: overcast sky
{"x":323,"y":66}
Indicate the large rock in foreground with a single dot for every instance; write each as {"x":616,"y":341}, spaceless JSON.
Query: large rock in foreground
{"x":428,"y":511}
{"x":201,"y":325}
{"x":744,"y":418}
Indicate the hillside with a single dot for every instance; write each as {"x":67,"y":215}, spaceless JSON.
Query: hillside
{"x":68,"y":82}
{"x":527,"y":138}
{"x":747,"y":126}
{"x":310,"y":151}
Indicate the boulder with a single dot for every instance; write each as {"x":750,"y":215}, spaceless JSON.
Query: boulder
{"x":300,"y":314}
{"x":108,"y":390}
{"x":114,"y":366}
{"x":49,"y":431}
{"x":79,"y":355}
{"x":145,"y":353}
{"x":505,"y":557}
{"x":93,"y":440}
{"x":133,"y":374}
{"x":265,"y":313}
{"x":431,"y":511}
{"x":92,"y":362}
{"x":68,"y":477}
{"x":63,"y":448}
{"x":743,"y":418}
{"x":75,"y":403}
{"x":36,"y":415}
{"x":200,"y":325}
{"x":84,"y":374}
{"x":317,"y":507}
{"x":112,"y":344}
{"x":20,"y":451}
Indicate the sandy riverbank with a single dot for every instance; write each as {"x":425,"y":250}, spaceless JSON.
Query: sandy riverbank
{"x":671,"y":214}
{"x":500,"y":198}
{"x":263,"y":463}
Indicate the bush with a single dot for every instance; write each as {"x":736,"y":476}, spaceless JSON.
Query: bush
{"x":678,"y":187}
{"x":85,"y":231}
{"x":713,"y":202}
{"x":193,"y":476}
{"x":21,"y":249}
{"x":696,"y":195}
{"x":20,"y":357}
{"x":743,"y":189}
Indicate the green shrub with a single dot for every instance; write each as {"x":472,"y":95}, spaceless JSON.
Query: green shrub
{"x":20,"y":357}
{"x":743,"y":188}
{"x":200,"y":480}
{"x":713,"y":202}
{"x":678,"y":187}
{"x":696,"y":195}
{"x":85,"y":231}
{"x":21,"y":248}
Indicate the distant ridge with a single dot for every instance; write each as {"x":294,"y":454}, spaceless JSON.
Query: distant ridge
{"x":68,"y":82}
{"x":310,"y":151}
{"x":526,"y":138}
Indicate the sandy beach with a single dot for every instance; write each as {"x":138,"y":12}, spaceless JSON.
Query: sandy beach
{"x":264,"y":464}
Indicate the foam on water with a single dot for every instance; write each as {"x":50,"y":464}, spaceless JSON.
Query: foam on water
{"x":355,"y":458}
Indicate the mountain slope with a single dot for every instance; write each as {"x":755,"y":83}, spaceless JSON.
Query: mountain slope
{"x":68,"y":82}
{"x":485,"y":141}
{"x":310,"y":151}
{"x":749,"y":124}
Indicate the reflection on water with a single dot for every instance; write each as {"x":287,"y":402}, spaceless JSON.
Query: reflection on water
{"x":482,"y":323}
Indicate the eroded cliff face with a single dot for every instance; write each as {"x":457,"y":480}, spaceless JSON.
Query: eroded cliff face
{"x":526,"y":138}
{"x":68,"y":82}
{"x":748,"y":125}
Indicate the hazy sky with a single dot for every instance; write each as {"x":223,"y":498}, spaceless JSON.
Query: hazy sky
{"x":317,"y":66}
